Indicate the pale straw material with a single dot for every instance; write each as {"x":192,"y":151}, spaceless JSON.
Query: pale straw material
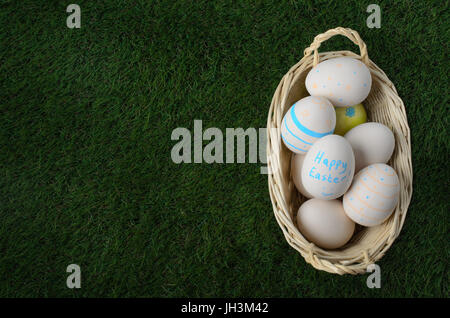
{"x":383,"y":105}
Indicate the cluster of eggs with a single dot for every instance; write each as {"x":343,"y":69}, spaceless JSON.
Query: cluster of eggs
{"x":339,"y":160}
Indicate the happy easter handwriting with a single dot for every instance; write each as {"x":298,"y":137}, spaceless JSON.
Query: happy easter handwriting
{"x":336,"y":165}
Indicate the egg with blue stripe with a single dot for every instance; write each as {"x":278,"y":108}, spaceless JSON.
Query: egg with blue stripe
{"x":373,"y":195}
{"x":308,"y":120}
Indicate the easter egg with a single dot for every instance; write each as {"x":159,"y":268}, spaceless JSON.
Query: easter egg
{"x":373,"y":195}
{"x":325,"y":223}
{"x":343,"y":80}
{"x":296,"y":173}
{"x":306,"y":121}
{"x":371,"y":143}
{"x":328,"y":167}
{"x":349,"y":117}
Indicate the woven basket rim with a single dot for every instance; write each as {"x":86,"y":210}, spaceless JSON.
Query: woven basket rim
{"x":355,"y":256}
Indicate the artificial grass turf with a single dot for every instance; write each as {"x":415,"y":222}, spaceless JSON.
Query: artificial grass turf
{"x":86,"y":119}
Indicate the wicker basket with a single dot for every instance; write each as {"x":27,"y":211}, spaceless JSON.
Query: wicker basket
{"x":383,"y":105}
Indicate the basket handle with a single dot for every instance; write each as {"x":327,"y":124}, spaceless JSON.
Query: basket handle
{"x":349,"y":33}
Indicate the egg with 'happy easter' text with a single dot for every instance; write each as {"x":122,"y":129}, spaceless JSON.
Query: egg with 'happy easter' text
{"x":372,"y":143}
{"x":373,"y":195}
{"x":342,"y":80}
{"x":325,"y":223}
{"x":306,"y":121}
{"x":328,"y":168}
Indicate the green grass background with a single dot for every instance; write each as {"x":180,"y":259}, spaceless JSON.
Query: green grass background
{"x":86,"y":117}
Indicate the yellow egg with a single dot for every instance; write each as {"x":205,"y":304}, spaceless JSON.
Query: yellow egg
{"x":349,"y":117}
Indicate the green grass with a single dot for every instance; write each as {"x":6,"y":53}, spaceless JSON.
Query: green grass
{"x":86,"y":117}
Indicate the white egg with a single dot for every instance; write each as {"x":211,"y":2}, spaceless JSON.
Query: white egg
{"x":306,"y":121}
{"x":343,"y":80}
{"x":373,"y":195}
{"x":328,"y":168}
{"x":296,"y":173}
{"x":371,"y":143}
{"x":325,"y":223}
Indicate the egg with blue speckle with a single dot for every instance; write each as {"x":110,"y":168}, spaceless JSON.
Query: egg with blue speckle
{"x":308,"y":120}
{"x":328,"y":168}
{"x":349,"y":117}
{"x":373,"y":195}
{"x":343,"y":80}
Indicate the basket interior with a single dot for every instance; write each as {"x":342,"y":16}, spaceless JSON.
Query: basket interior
{"x":378,"y":106}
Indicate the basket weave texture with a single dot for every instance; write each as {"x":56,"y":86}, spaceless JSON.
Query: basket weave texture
{"x":383,"y":105}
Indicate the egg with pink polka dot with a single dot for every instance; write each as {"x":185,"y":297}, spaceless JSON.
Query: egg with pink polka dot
{"x":373,"y":195}
{"x":309,"y":119}
{"x":343,"y":81}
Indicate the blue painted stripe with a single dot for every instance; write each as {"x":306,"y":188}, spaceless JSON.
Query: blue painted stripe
{"x":306,"y":130}
{"x":326,"y":194}
{"x":287,"y":142}
{"x":294,"y":134}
